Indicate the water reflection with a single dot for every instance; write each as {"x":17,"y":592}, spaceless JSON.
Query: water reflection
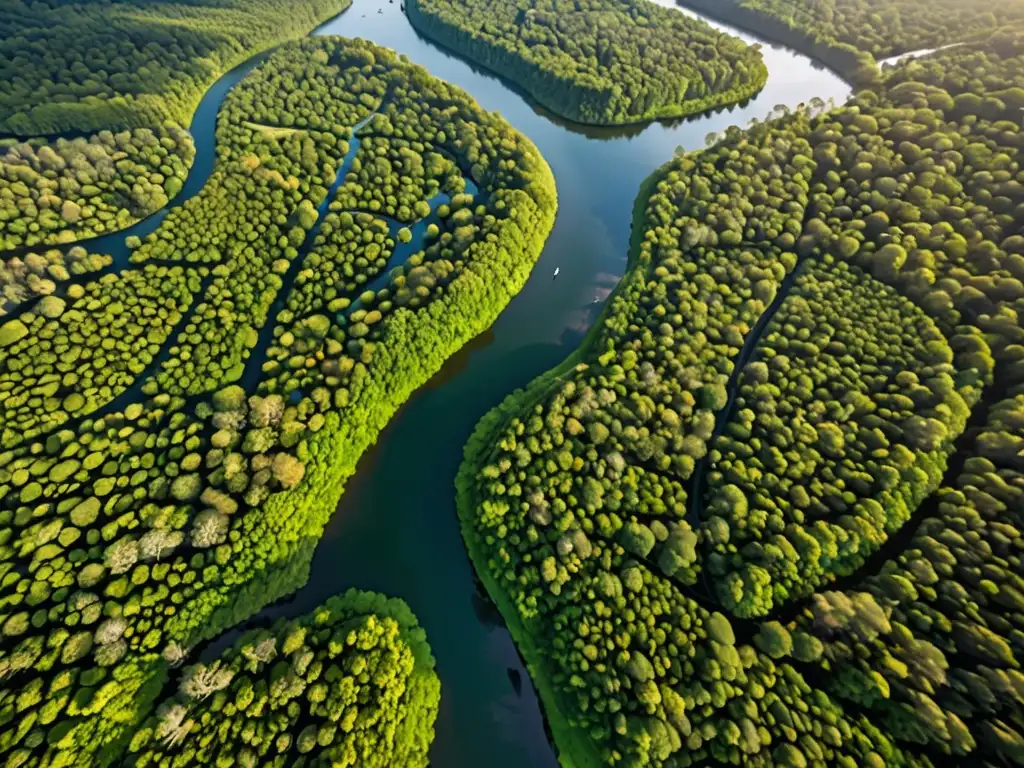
{"x":616,"y":132}
{"x":516,"y":679}
{"x":486,"y":612}
{"x":396,"y":529}
{"x":457,"y":363}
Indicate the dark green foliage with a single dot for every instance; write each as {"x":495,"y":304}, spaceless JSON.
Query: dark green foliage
{"x":599,"y":61}
{"x":883,"y":28}
{"x":932,"y":644}
{"x":86,"y":66}
{"x":410,"y":175}
{"x":351,"y":684}
{"x":838,"y":431}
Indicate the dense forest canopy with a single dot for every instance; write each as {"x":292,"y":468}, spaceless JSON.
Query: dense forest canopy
{"x":350,"y":685}
{"x":841,"y":426}
{"x":86,"y":66}
{"x":882,"y":28}
{"x":38,"y":274}
{"x":769,"y":514}
{"x":66,"y":190}
{"x":177,"y":431}
{"x":599,"y":61}
{"x":985,"y":79}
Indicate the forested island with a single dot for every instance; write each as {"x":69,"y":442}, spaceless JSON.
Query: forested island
{"x":599,"y":61}
{"x":177,"y":431}
{"x":769,"y":512}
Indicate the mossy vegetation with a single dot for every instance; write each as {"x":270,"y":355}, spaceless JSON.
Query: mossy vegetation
{"x":753,"y":521}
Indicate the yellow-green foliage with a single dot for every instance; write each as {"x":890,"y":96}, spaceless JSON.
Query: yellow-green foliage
{"x":133,"y":526}
{"x":63,"y":191}
{"x":34,"y":275}
{"x":80,"y":353}
{"x":351,"y":684}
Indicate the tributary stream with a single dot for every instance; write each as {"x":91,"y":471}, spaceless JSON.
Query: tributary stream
{"x":396,"y":529}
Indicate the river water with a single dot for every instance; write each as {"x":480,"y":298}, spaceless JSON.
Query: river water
{"x":396,"y":529}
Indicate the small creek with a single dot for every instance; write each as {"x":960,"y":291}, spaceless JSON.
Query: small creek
{"x":400,"y":253}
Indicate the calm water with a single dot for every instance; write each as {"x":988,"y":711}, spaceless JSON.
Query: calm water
{"x":396,"y":529}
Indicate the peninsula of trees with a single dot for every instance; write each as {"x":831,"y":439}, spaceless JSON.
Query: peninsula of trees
{"x":351,"y":685}
{"x":769,"y":513}
{"x":176,"y":432}
{"x":599,"y":61}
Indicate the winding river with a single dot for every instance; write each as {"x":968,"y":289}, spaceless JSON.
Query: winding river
{"x":396,"y":530}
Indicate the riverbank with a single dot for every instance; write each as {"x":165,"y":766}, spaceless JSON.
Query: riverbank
{"x":840,"y":60}
{"x":576,"y":750}
{"x":478,"y":254}
{"x":396,"y":529}
{"x":217,"y":87}
{"x":203,"y":130}
{"x":859,"y":68}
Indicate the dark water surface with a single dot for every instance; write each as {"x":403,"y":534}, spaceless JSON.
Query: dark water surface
{"x":396,"y":529}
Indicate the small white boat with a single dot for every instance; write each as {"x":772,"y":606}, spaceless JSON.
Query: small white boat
{"x":557,"y":270}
